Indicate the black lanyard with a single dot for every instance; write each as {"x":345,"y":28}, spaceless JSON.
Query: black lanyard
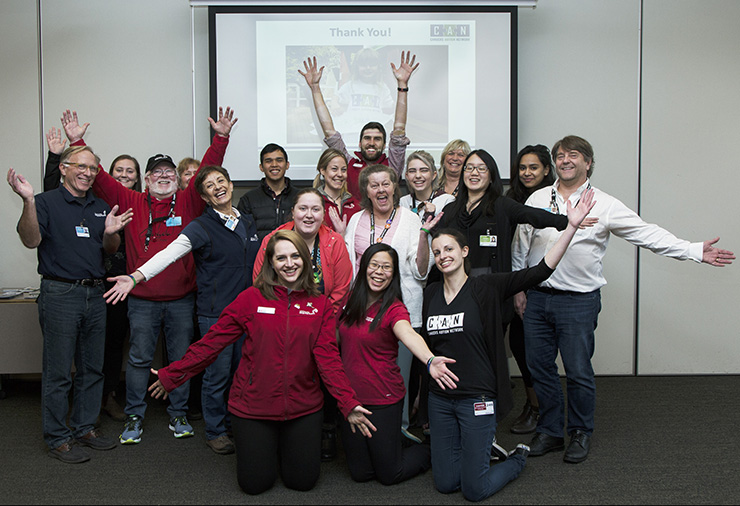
{"x":388,"y":223}
{"x":152,"y":221}
{"x":554,"y":207}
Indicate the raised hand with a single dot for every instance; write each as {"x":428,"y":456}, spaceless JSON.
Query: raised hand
{"x":226,"y":121}
{"x":358,"y":420}
{"x":340,"y":223}
{"x":405,"y":69}
{"x":72,"y":127}
{"x":432,"y":221}
{"x":114,"y":223}
{"x":20,"y":185}
{"x":55,"y":142}
{"x":577,"y":214}
{"x":313,"y":74}
{"x":443,"y":376}
{"x":714,"y":256}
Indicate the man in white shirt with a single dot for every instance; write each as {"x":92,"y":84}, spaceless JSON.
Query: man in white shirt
{"x":562,"y":313}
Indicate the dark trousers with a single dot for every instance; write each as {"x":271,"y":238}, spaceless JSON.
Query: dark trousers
{"x":264,"y":446}
{"x":516,"y":343}
{"x":383,"y":456}
{"x":116,"y":332}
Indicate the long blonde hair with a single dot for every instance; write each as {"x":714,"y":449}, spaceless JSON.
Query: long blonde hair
{"x":327,"y":156}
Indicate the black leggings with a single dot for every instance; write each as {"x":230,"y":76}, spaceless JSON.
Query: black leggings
{"x":516,"y":343}
{"x":382,"y":456}
{"x":264,"y":445}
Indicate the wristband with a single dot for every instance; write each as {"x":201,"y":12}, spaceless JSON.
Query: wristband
{"x":403,"y":89}
{"x":133,"y":279}
{"x":429,"y":364}
{"x":425,"y":230}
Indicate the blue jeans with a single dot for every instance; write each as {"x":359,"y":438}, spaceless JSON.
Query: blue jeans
{"x":146,"y":318}
{"x":564,"y":322}
{"x":217,"y":382}
{"x":72,"y":319}
{"x":461,"y":450}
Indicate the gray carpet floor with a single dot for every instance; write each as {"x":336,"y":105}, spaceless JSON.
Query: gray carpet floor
{"x":658,"y":440}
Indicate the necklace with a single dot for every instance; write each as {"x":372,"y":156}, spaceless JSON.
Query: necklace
{"x":388,"y":224}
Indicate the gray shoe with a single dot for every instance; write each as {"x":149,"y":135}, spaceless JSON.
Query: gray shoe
{"x":69,"y":453}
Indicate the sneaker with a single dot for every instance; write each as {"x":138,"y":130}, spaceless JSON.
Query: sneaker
{"x":96,"y":440}
{"x":132,"y":430}
{"x":69,"y":453}
{"x":221,"y":445}
{"x":180,"y":426}
{"x":498,"y":453}
{"x":521,"y":449}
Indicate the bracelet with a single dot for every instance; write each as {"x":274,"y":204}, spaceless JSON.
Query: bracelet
{"x":425,"y":230}
{"x":403,"y":89}
{"x":429,"y":364}
{"x":133,"y":279}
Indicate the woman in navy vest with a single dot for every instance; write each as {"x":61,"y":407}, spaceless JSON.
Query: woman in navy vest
{"x":224,"y":244}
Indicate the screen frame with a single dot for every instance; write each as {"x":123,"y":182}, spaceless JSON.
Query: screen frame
{"x":213,"y":11}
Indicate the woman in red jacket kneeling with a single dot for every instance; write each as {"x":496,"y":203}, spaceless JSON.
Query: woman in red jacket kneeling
{"x":275,"y":399}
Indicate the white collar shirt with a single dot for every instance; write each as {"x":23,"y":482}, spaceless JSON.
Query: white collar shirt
{"x":581,"y":268}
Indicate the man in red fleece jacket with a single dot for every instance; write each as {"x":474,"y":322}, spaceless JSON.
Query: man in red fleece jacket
{"x":160,"y":214}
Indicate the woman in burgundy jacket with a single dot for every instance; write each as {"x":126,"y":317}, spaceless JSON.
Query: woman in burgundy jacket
{"x":275,"y":399}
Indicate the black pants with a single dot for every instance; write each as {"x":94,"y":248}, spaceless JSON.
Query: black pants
{"x":116,"y":331}
{"x":382,"y":456}
{"x":264,"y":446}
{"x":516,"y":343}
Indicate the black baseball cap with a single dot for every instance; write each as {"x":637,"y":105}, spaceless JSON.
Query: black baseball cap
{"x":158,"y":159}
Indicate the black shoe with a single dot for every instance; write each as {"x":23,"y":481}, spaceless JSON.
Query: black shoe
{"x":69,"y":453}
{"x":527,"y":421}
{"x":195,"y":414}
{"x":328,"y":445}
{"x":96,"y":440}
{"x":577,"y":451}
{"x":543,"y":443}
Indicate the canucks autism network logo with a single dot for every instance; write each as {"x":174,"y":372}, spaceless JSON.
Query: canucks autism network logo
{"x":449,"y":32}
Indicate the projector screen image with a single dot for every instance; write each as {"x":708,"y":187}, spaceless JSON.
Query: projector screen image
{"x":461,"y":90}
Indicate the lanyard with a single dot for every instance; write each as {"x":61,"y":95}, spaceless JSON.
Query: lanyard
{"x":554,"y":207}
{"x":415,"y":207}
{"x":152,"y":221}
{"x":388,"y":223}
{"x":316,"y":261}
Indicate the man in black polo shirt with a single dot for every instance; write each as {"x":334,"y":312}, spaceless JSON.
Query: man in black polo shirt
{"x":70,"y":228}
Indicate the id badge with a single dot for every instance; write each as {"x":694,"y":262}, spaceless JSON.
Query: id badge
{"x":82,"y":231}
{"x":174,"y":221}
{"x":231,"y":224}
{"x":483,"y":408}
{"x":487,"y":241}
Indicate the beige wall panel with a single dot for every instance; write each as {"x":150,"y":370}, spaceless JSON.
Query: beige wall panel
{"x":689,"y":318}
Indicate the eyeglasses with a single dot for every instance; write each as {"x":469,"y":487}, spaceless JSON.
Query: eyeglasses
{"x":161,"y":172}
{"x":82,"y":167}
{"x":374,"y":266}
{"x":482,"y":169}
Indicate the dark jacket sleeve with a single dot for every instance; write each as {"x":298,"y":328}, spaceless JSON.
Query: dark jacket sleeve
{"x":511,"y":283}
{"x":244,"y":207}
{"x":52,"y":175}
{"x":538,"y":218}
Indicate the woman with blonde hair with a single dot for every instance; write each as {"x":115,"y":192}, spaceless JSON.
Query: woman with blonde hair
{"x":331,"y":182}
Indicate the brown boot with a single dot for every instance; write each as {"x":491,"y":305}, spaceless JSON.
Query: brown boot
{"x":113,"y":409}
{"x":527,"y":421}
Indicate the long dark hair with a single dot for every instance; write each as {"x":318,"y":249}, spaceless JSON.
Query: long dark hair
{"x":494,"y":191}
{"x":137,"y":184}
{"x":356,"y":308}
{"x":517,"y":190}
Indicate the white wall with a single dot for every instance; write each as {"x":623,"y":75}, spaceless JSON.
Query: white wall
{"x":126,"y":67}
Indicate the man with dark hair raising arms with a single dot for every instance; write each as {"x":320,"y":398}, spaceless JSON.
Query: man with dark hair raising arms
{"x":561,"y":314}
{"x":372,"y":136}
